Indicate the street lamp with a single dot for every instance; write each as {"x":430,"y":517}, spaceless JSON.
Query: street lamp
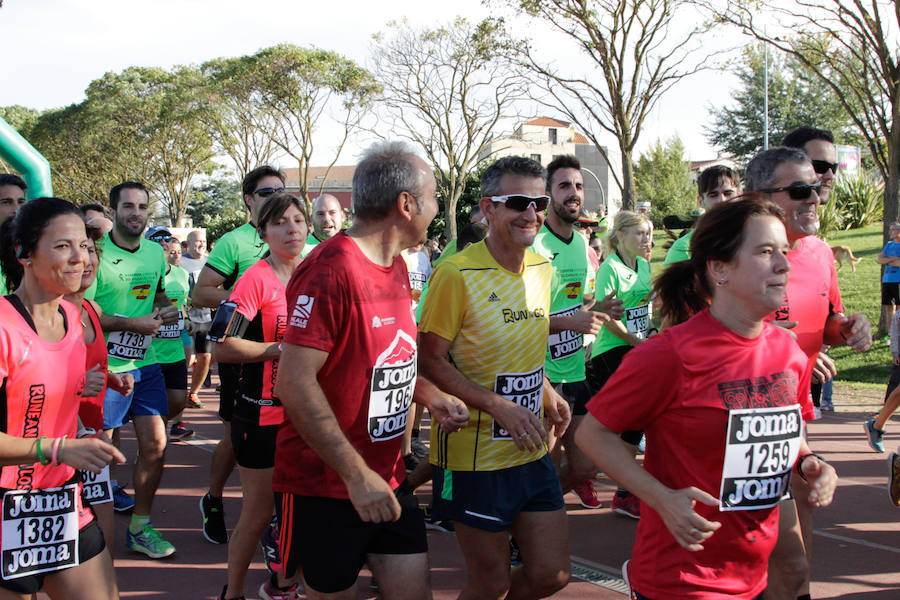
{"x":599,"y":185}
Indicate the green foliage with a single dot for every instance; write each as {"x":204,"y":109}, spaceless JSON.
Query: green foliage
{"x":796,"y":97}
{"x":223,"y":225}
{"x":663,"y":178}
{"x":217,"y":200}
{"x":859,"y":200}
{"x":20,"y":118}
{"x":470,"y":197}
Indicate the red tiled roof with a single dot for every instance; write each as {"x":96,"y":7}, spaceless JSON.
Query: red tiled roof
{"x":546,"y":122}
{"x":337,"y":173}
{"x":580,"y":139}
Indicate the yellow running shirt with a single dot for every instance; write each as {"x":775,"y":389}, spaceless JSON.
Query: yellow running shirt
{"x":498,"y":323}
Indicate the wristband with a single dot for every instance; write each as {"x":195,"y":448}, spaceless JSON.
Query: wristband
{"x":799,"y":464}
{"x":54,"y":456}
{"x":40,"y":453}
{"x":62,"y":445}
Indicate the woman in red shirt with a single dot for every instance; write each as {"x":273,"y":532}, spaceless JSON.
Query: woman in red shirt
{"x":723,"y":415}
{"x":52,"y":540}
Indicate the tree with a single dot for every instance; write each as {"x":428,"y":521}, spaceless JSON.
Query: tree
{"x":796,"y":97}
{"x":446,"y":90}
{"x":297,"y":87}
{"x":640,"y":53}
{"x":663,"y":178}
{"x":217,"y":199}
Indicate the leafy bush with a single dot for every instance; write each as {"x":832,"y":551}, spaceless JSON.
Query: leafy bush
{"x":858,"y":200}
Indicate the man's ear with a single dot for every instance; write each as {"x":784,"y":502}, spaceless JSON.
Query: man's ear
{"x":487,"y":208}
{"x":407,"y":205}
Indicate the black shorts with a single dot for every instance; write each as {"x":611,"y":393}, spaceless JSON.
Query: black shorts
{"x":602,"y":368}
{"x":90,"y":544}
{"x":229,"y":384}
{"x":328,"y":538}
{"x":175,"y":375}
{"x":893,"y":382}
{"x":577,"y":394}
{"x":890,"y":293}
{"x":254,"y":445}
{"x":201,"y":343}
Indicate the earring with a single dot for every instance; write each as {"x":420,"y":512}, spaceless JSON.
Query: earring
{"x":28,"y":262}
{"x":721,"y":282}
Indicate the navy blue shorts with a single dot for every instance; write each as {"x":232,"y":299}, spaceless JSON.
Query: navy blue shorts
{"x":147,"y":398}
{"x":491,"y":500}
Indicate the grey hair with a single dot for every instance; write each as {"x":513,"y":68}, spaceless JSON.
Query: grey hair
{"x":384,"y":172}
{"x":760,"y":173}
{"x":516,"y":165}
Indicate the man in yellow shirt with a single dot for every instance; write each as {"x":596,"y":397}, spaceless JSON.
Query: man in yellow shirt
{"x":482,"y":338}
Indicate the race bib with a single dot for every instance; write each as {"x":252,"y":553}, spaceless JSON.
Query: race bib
{"x":525,"y":389}
{"x":392,"y":387}
{"x":95,"y":487}
{"x":760,"y":451}
{"x":173,"y":331}
{"x":417,"y":280}
{"x":637,"y":320}
{"x":565,"y":343}
{"x":40,"y":531}
{"x":127,"y":345}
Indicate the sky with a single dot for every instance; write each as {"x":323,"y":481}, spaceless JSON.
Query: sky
{"x":54,"y":48}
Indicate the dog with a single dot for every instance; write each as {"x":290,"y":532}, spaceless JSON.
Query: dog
{"x":844,"y":254}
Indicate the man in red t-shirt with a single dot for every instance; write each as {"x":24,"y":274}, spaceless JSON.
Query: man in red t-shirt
{"x":347,"y":376}
{"x":812,"y":306}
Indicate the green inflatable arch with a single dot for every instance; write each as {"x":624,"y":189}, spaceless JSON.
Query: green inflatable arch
{"x":30,"y":163}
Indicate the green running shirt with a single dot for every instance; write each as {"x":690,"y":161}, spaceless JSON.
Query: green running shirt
{"x":680,"y":249}
{"x":235,"y":252}
{"x":633,"y":288}
{"x":167,"y":345}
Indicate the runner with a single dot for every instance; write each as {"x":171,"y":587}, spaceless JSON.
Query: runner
{"x":192,"y":261}
{"x":346,"y":377}
{"x":130,"y":284}
{"x":168,"y":343}
{"x":47,"y":251}
{"x":327,"y":220}
{"x":720,"y":449}
{"x":570,"y":317}
{"x":254,"y":341}
{"x":233,"y":254}
{"x":12,"y":197}
{"x":487,"y":311}
{"x":625,"y":273}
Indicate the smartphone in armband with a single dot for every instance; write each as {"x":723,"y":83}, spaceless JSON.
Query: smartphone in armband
{"x":221,"y":323}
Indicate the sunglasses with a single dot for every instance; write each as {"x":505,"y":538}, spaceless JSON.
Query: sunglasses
{"x":162,"y":238}
{"x":797,"y":191}
{"x":582,"y":225}
{"x":266,"y":192}
{"x":521,"y":202}
{"x":822,"y":166}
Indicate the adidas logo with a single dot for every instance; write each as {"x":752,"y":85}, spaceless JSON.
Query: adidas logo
{"x":493,"y":297}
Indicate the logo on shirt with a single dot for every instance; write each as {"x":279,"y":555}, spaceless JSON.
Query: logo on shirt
{"x":573,"y":290}
{"x":777,"y":389}
{"x":117,"y":261}
{"x":302,"y":311}
{"x":141,"y":292}
{"x":493,"y":297}
{"x":512,"y":316}
{"x":380,"y":322}
{"x":391,"y":391}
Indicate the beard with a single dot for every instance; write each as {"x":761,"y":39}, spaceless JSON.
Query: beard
{"x":563,"y":213}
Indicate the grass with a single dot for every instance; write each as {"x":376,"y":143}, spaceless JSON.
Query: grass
{"x":861,"y":293}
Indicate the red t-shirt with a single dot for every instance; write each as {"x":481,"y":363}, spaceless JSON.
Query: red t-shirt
{"x":260,"y":298}
{"x":360,"y":313}
{"x":704,"y":377}
{"x":91,"y":408}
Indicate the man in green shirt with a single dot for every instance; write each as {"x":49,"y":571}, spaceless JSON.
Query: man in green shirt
{"x":570,"y":315}
{"x":130,"y":284}
{"x":715,"y":184}
{"x":233,"y":254}
{"x":12,"y":196}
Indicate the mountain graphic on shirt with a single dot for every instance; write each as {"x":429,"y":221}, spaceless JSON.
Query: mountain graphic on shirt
{"x":401,"y":350}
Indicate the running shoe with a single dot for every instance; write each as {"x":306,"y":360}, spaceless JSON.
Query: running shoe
{"x":587,"y":495}
{"x":826,"y":406}
{"x":515,"y":554}
{"x":894,"y":483}
{"x":270,"y":591}
{"x":443,"y":525}
{"x":225,"y":589}
{"x":642,"y":445}
{"x":178,"y":431}
{"x":213,"y":519}
{"x":419,"y":449}
{"x":122,"y":502}
{"x":194,"y":401}
{"x":629,"y":506}
{"x":625,"y":577}
{"x":817,"y":413}
{"x":875,"y":436}
{"x":149,"y":542}
{"x":268,"y":543}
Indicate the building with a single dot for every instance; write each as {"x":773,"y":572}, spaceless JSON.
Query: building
{"x":338,"y":182}
{"x":543,"y":139}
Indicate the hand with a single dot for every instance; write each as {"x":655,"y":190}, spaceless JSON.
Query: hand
{"x":523,"y":426}
{"x":822,"y":480}
{"x":373,"y":498}
{"x":121,"y":382}
{"x":824,"y":369}
{"x":612,"y":306}
{"x":189,"y":326}
{"x":588,"y":321}
{"x":857,"y":331}
{"x":557,"y":415}
{"x":90,"y":454}
{"x":94,"y":381}
{"x":689,"y":528}
{"x":168,"y":314}
{"x":450,"y":412}
{"x":148,"y":324}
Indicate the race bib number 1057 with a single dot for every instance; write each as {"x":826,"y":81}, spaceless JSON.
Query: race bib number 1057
{"x":761,"y":449}
{"x":525,"y":389}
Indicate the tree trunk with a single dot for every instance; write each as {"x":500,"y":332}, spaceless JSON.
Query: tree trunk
{"x":891,"y":204}
{"x":450,"y":213}
{"x":628,"y":192}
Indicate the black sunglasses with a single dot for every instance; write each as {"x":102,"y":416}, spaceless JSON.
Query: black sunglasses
{"x":266,"y":192}
{"x":797,"y":191}
{"x":521,"y":202}
{"x":583,"y":225}
{"x":821,"y":167}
